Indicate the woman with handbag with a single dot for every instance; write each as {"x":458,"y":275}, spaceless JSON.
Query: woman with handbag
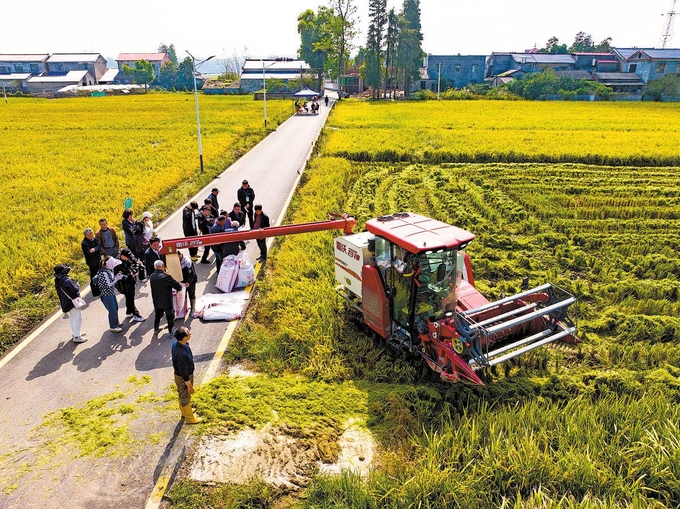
{"x":70,"y":300}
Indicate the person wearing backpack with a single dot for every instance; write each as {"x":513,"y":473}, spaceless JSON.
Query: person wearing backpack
{"x":106,"y":282}
{"x":67,"y":290}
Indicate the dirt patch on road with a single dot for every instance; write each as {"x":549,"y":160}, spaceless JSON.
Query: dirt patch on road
{"x":278,"y":455}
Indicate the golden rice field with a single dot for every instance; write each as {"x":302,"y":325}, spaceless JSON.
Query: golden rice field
{"x":506,"y":131}
{"x":67,"y":163}
{"x":591,"y":427}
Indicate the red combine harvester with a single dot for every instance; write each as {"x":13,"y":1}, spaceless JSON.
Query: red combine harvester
{"x":411,"y":280}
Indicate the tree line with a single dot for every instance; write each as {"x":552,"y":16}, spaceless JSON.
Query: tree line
{"x":393,"y":53}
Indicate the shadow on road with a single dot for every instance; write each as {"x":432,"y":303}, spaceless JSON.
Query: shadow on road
{"x":109,"y":344}
{"x":62,"y":354}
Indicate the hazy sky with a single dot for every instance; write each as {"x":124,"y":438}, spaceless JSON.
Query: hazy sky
{"x":268,"y":27}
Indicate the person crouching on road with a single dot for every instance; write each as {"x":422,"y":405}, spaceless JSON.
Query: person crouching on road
{"x":183,"y":366}
{"x":162,"y":285}
{"x":189,"y":279}
{"x":107,"y":286}
{"x":68,"y":289}
{"x":128,"y":267}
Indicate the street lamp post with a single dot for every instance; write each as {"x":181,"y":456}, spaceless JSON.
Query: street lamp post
{"x":198,"y":117}
{"x":264,"y":89}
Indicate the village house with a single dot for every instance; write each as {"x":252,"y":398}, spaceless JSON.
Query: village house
{"x":457,"y":71}
{"x":157,"y":60}
{"x":62,"y":63}
{"x":49,"y":84}
{"x":255,"y":71}
{"x":648,"y":63}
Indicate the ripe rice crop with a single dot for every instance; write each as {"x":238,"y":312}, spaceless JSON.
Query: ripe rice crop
{"x":67,"y":163}
{"x":507,"y":131}
{"x":590,"y":427}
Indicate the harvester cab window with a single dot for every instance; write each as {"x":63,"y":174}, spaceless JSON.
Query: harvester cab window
{"x":396,"y":267}
{"x":439,"y":279}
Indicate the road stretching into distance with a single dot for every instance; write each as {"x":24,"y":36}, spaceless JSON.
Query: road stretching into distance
{"x":47,"y":372}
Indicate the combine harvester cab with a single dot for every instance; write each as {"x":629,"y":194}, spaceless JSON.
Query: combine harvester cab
{"x":413,"y":283}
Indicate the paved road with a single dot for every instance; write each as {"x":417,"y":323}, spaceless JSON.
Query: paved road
{"x":47,"y":372}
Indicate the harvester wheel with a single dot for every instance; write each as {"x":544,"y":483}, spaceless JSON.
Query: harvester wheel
{"x":458,"y":345}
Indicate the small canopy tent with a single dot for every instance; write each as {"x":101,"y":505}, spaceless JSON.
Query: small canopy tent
{"x":305,"y":92}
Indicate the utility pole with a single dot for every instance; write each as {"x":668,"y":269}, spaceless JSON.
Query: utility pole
{"x":439,"y":78}
{"x":668,"y":31}
{"x":198,"y":117}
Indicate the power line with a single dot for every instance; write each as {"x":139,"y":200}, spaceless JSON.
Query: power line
{"x":668,"y":31}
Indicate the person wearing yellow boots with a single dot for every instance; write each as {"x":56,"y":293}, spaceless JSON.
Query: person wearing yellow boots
{"x":183,"y":364}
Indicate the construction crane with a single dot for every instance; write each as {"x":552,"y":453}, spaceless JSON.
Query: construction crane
{"x":668,"y":31}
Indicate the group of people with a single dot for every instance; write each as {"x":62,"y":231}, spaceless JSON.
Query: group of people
{"x":113,"y":269}
{"x":306,"y":106}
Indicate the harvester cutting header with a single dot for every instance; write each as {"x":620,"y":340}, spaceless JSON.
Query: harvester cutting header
{"x":412,"y":282}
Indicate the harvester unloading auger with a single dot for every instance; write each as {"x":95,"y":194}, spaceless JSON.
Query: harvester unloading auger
{"x":412,"y":282}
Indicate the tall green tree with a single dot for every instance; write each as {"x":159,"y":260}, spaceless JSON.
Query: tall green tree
{"x":391,"y":42}
{"x":142,"y":73}
{"x":583,"y":43}
{"x":339,"y":35}
{"x":377,"y":13}
{"x":409,"y":49}
{"x":170,"y":51}
{"x":605,"y":46}
{"x":167,"y":77}
{"x":311,"y":33}
{"x":553,"y":46}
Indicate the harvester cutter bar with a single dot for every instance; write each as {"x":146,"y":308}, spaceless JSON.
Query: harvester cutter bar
{"x":526,"y":318}
{"x":476,"y":311}
{"x":513,"y":312}
{"x":528,"y":348}
{"x":516,"y":344}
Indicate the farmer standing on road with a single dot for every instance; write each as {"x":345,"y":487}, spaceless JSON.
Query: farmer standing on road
{"x":183,"y":366}
{"x":162,"y":285}
{"x":190,"y":225}
{"x":91,"y":250}
{"x":213,"y":200}
{"x":107,"y":238}
{"x":261,"y":221}
{"x":246,"y":197}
